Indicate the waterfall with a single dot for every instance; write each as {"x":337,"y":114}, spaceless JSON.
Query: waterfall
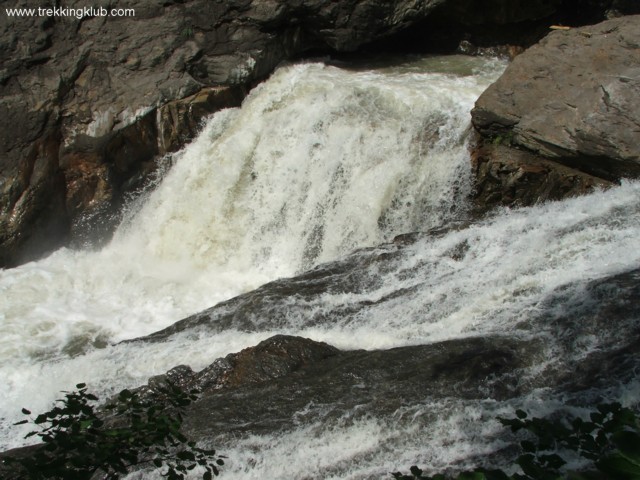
{"x":319,"y":161}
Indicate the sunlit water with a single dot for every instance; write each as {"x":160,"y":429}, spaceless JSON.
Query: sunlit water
{"x":319,"y":161}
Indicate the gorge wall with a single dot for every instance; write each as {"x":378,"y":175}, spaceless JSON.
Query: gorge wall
{"x":89,"y":105}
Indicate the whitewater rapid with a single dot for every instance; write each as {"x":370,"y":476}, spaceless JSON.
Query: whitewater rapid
{"x":318,"y":162}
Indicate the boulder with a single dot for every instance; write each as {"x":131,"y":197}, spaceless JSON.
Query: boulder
{"x":276,"y":357}
{"x":572,"y":98}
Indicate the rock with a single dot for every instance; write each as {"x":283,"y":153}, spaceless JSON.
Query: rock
{"x":508,"y":177}
{"x":180,"y":120}
{"x":361,"y":383}
{"x":572,"y":98}
{"x":498,"y":12}
{"x":287,"y":381}
{"x":273,"y":358}
{"x":32,"y":200}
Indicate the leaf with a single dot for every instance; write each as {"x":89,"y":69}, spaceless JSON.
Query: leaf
{"x":415,"y":471}
{"x":496,"y":475}
{"x":186,"y":455}
{"x":40,"y":419}
{"x":521,"y":414}
{"x":26,"y":412}
{"x":619,"y":467}
{"x":597,"y":417}
{"x":125,"y":395}
{"x":21,"y":422}
{"x":629,"y":445}
{"x":471,"y":476}
{"x":553,"y":461}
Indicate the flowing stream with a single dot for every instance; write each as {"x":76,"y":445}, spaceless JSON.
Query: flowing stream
{"x":319,"y":161}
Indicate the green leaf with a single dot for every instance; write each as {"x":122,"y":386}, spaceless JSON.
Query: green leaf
{"x":415,"y":471}
{"x":619,"y":467}
{"x":26,"y":412}
{"x":496,"y":475}
{"x":521,"y":414}
{"x":186,"y":455}
{"x":471,"y":476}
{"x":629,"y":445}
{"x":125,"y":395}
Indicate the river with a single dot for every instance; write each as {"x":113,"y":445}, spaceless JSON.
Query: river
{"x":320,"y":160}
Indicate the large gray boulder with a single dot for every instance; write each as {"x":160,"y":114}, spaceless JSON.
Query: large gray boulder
{"x":573,"y":98}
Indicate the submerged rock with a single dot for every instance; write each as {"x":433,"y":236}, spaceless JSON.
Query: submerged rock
{"x":578,"y":341}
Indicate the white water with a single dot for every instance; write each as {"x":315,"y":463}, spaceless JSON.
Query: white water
{"x":319,"y":161}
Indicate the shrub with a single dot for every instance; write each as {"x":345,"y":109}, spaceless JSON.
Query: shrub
{"x":609,"y":441}
{"x":78,"y":441}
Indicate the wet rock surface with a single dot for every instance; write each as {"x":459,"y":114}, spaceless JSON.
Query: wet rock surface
{"x":376,"y":382}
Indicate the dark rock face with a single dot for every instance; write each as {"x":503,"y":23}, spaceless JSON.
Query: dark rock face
{"x":572,"y":98}
{"x":180,"y":120}
{"x":509,"y":177}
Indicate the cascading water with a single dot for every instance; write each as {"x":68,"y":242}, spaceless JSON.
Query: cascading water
{"x":319,"y":161}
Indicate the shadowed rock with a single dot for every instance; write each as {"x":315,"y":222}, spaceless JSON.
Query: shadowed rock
{"x":509,"y":177}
